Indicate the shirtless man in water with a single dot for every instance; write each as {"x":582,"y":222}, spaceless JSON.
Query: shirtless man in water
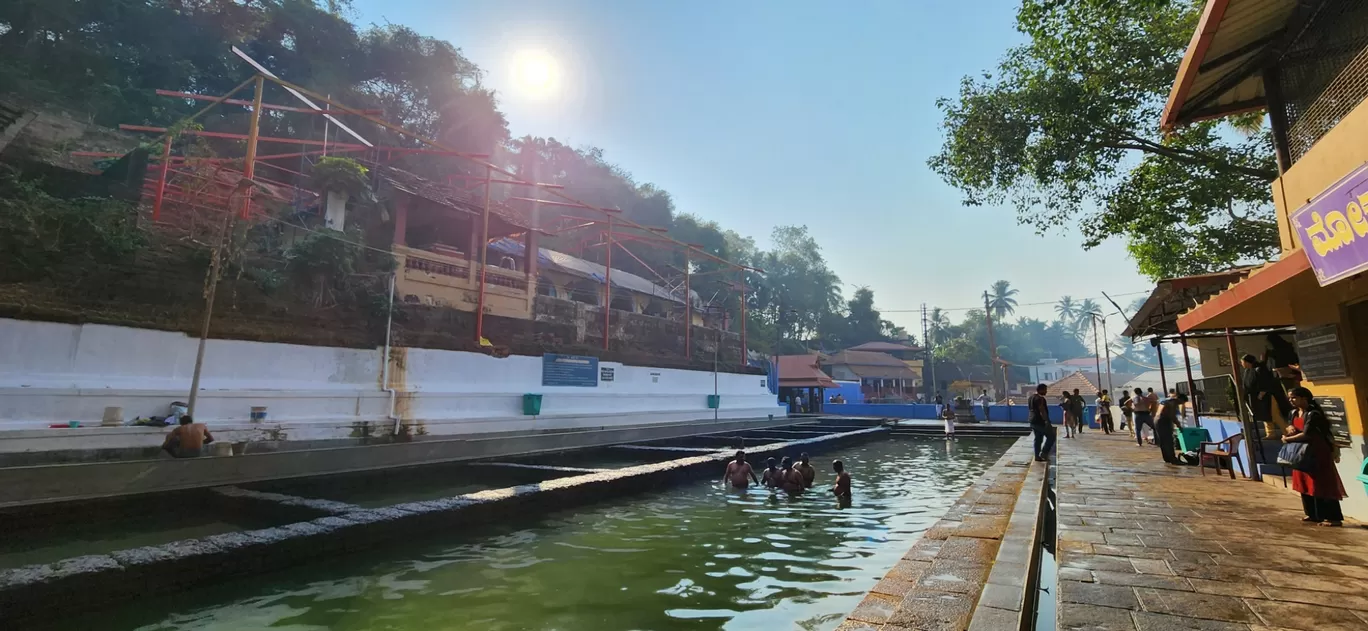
{"x":772,"y":477}
{"x":790,"y":480}
{"x":739,"y":472}
{"x":842,"y":488}
{"x":806,"y":469}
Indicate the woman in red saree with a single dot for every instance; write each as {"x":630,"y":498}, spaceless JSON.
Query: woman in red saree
{"x":1320,"y":487}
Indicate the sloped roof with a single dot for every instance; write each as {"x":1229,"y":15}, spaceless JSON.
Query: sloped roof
{"x":801,"y":371}
{"x":1220,"y":73}
{"x":1076,"y":380}
{"x":588,"y":269}
{"x":1173,"y":297}
{"x":455,"y":199}
{"x":884,"y":347}
{"x":872,"y":365}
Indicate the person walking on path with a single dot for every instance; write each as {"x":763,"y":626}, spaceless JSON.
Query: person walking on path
{"x":1066,"y":404}
{"x":1040,"y":423}
{"x":1127,"y":409}
{"x":1268,"y":404}
{"x":1076,"y":406}
{"x":1167,"y":423}
{"x":1143,"y":416}
{"x":1104,"y":414}
{"x":1320,"y":486}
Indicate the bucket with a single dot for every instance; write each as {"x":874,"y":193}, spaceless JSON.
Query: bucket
{"x":258,"y":413}
{"x":113,"y":416}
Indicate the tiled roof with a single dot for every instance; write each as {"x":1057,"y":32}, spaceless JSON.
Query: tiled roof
{"x":1076,"y":380}
{"x":872,"y":365}
{"x":884,"y":347}
{"x":801,"y":371}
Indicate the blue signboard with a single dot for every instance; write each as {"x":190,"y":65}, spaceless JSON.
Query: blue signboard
{"x":570,"y":370}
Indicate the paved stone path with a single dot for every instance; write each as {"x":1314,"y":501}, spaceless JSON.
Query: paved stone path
{"x":1145,"y":546}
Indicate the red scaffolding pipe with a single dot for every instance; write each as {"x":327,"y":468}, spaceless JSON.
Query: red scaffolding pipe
{"x":608,"y":283}
{"x":264,"y":106}
{"x":230,"y":136}
{"x":161,"y":179}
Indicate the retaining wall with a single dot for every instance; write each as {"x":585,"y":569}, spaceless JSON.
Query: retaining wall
{"x":53,"y":373}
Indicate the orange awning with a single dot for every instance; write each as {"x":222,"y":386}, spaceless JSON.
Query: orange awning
{"x":1262,"y":300}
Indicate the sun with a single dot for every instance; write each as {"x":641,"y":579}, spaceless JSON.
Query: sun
{"x":535,"y":73}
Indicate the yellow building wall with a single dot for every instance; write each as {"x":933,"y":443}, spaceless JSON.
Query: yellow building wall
{"x":1331,"y":158}
{"x":1334,"y":156}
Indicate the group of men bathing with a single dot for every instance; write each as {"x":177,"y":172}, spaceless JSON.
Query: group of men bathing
{"x":787,"y":476}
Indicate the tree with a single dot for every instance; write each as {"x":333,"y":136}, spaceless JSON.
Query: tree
{"x":938,"y":325}
{"x":1068,"y":124}
{"x":1067,"y":310}
{"x":1086,"y":310}
{"x":1002,"y":299}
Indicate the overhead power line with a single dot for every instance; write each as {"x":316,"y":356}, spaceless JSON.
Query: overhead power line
{"x":1027,"y":304}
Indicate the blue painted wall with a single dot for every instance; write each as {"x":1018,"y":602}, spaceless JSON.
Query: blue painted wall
{"x":929,"y":411}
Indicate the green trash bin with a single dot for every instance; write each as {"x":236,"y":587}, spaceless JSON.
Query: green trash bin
{"x":1190,"y":438}
{"x":714,"y":401}
{"x":532,"y":404}
{"x":1363,"y":476}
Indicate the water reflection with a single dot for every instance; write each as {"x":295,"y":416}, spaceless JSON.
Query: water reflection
{"x":694,"y":557}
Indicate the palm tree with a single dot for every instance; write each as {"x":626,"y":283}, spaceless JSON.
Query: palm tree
{"x":938,"y":322}
{"x":1067,"y":310}
{"x":1086,"y":310}
{"x":1002,"y":299}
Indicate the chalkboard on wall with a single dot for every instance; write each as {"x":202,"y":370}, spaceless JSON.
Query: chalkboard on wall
{"x":1321,"y":351}
{"x":1333,"y":407}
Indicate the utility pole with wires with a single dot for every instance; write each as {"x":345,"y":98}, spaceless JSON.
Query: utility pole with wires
{"x":1097,"y":351}
{"x":928,"y":362}
{"x":244,"y":187}
{"x":1110,"y":386}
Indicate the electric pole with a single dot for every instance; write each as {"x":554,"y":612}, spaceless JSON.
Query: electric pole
{"x":992,"y":344}
{"x":927,"y":361}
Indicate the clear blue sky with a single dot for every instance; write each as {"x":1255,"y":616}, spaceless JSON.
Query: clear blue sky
{"x":764,"y":113}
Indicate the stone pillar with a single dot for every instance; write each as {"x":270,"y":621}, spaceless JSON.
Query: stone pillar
{"x":401,"y":204}
{"x":473,"y":255}
{"x":530,"y":248}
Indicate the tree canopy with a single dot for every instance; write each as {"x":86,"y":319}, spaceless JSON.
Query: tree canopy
{"x":1066,"y":129}
{"x":106,"y":59}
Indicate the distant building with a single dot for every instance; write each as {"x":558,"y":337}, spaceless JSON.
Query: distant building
{"x":880,"y":375}
{"x":901,"y":351}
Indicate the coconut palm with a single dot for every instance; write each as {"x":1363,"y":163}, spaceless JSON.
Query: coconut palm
{"x":1067,"y":310}
{"x":938,"y":323}
{"x":1002,"y":299}
{"x":1086,"y":310}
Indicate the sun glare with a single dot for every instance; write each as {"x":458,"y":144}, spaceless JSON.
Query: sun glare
{"x":536,"y":73}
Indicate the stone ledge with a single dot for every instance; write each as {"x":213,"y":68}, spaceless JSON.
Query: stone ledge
{"x":970,"y":570}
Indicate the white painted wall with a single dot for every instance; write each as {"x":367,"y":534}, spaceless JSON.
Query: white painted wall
{"x":56,"y":373}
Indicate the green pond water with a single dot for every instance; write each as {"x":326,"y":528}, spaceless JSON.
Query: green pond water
{"x":697,"y":556}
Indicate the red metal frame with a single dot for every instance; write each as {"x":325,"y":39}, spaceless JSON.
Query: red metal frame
{"x":435,"y":148}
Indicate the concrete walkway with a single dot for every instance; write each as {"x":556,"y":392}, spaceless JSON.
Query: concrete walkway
{"x":1145,"y":546}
